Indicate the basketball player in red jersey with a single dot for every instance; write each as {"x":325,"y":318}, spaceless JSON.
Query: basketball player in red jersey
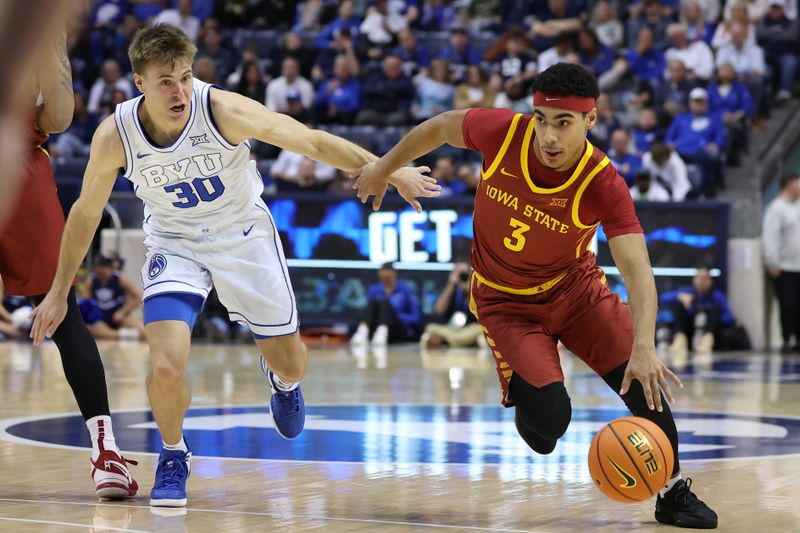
{"x":544,"y":191}
{"x":29,"y":245}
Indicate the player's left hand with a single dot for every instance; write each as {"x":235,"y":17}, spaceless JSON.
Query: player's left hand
{"x":651,"y":372}
{"x":47,"y":316}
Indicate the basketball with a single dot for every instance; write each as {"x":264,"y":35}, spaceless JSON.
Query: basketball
{"x":630,"y":459}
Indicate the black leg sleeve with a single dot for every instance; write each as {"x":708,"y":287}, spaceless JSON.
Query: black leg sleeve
{"x":541,"y":414}
{"x":637,"y":405}
{"x":81,"y":360}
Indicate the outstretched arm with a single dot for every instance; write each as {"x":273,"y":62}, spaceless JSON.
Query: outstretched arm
{"x":444,"y":128}
{"x":630,"y":255}
{"x":105,"y":159}
{"x":241,"y":118}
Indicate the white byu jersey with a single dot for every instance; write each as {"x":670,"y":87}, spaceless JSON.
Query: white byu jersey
{"x":199,"y":182}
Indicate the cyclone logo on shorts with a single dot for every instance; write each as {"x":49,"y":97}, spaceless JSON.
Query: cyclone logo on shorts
{"x":157,"y":265}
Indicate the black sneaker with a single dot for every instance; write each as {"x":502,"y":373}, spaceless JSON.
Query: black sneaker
{"x":680,"y":507}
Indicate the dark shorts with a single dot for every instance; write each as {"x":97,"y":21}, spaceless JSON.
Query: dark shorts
{"x":31,"y":236}
{"x":581,"y":311}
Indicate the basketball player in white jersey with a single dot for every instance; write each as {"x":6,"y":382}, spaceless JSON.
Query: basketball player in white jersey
{"x":184,"y":145}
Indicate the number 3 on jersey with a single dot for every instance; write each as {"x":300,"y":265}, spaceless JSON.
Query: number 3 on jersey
{"x":518,"y":242}
{"x":200,"y":190}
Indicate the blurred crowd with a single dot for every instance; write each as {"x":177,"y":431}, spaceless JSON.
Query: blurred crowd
{"x":684,"y":82}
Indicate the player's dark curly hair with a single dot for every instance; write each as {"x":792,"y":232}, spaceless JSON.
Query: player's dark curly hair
{"x":566,"y":79}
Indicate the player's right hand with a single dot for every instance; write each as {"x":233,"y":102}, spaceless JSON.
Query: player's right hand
{"x":47,"y":316}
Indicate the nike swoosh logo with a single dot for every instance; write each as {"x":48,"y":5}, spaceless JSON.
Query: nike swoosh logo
{"x":504,"y":172}
{"x":548,"y":99}
{"x":630,"y":482}
{"x":247,"y":231}
{"x":140,"y":155}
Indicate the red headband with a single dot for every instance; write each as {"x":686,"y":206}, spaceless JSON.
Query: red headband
{"x":570,"y":103}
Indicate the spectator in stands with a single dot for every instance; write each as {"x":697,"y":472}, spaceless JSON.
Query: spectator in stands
{"x":295,"y":172}
{"x":434,"y":93}
{"x":341,"y":44}
{"x":647,"y":131}
{"x":102,"y":90}
{"x":205,"y":69}
{"x":468,"y":174}
{"x":696,"y":56}
{"x":667,"y":170}
{"x":347,"y":20}
{"x":645,"y":61}
{"x":700,"y":314}
{"x":625,"y":161}
{"x":339,"y":98}
{"x":475,"y":92}
{"x":748,"y":62}
{"x":780,"y":38}
{"x":699,"y":137}
{"x":644,"y":189}
{"x":251,"y":82}
{"x":212,"y":46}
{"x":455,"y":325}
{"x":650,"y":16}
{"x":666,"y":7}
{"x":460,"y":54}
{"x":181,"y":17}
{"x":296,"y":109}
{"x":382,"y":23}
{"x":595,"y":56}
{"x":249,"y":54}
{"x":608,"y":27}
{"x":561,"y":52}
{"x":516,"y":97}
{"x":697,"y":26}
{"x":606,"y":124}
{"x":444,"y":170}
{"x":513,"y":63}
{"x":392,"y":313}
{"x":76,"y":140}
{"x":560,"y":16}
{"x":109,"y":298}
{"x":672,"y":95}
{"x":235,"y":13}
{"x":387,"y":95}
{"x":730,"y":98}
{"x":782,"y":256}
{"x":738,"y":16}
{"x":289,"y":80}
{"x":415,"y":56}
{"x":756,"y":9}
{"x":292,"y":46}
{"x":434,"y":15}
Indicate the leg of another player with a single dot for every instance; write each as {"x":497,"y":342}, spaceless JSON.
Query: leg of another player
{"x":284,"y":360}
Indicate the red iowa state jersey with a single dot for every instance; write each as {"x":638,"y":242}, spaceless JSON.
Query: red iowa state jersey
{"x":531,"y":223}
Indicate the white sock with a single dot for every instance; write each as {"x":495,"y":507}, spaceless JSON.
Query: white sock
{"x":179,"y":447}
{"x":669,"y":485}
{"x":282,"y":385}
{"x":101,"y":433}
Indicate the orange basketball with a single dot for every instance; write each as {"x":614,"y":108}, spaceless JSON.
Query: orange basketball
{"x":630,"y":459}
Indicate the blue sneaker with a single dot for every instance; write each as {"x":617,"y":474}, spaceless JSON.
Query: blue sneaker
{"x":169,"y":489}
{"x":287,"y":408}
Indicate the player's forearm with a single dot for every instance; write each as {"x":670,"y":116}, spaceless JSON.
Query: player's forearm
{"x":78,"y":233}
{"x":421,"y":140}
{"x":643,"y":303}
{"x":55,"y":83}
{"x":338,"y":152}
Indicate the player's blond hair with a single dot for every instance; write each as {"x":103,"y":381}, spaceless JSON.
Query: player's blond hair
{"x":161,"y":44}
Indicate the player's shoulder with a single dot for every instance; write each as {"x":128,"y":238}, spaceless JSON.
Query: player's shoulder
{"x":608,"y":174}
{"x":490,"y":117}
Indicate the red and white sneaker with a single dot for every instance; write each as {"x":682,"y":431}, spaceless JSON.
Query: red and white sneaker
{"x":112,"y":480}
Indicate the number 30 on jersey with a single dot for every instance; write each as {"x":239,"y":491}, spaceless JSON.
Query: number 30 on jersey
{"x":198,"y":190}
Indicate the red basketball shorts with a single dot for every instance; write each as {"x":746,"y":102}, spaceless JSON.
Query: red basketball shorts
{"x":581,"y":311}
{"x":31,"y":236}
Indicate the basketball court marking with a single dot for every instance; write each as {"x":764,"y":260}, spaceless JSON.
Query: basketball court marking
{"x":69,"y":524}
{"x":281,"y":516}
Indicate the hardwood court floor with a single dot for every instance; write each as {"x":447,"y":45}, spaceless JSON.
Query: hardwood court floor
{"x":394,"y":441}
